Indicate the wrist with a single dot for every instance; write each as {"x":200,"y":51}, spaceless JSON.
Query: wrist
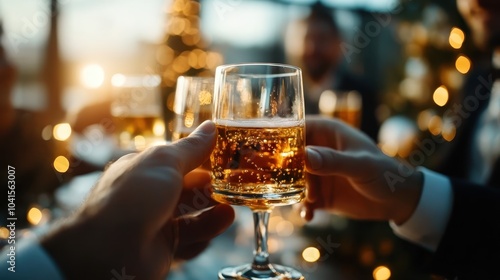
{"x":408,"y":198}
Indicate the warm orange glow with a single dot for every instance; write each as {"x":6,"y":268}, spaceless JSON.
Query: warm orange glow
{"x":284,"y":228}
{"x":440,"y":96}
{"x":158,"y":127}
{"x":462,"y":64}
{"x":34,"y":216}
{"x":423,"y":119}
{"x":61,"y":164}
{"x":140,"y":142}
{"x":435,"y":125}
{"x":4,"y":232}
{"x":189,"y":119}
{"x":118,"y":80}
{"x":449,"y":132}
{"x":62,"y":131}
{"x":456,"y":38}
{"x":47,"y":132}
{"x":381,"y":273}
{"x":205,"y":97}
{"x":92,"y":76}
{"x":311,"y":254}
{"x":214,"y":59}
{"x":390,"y":150}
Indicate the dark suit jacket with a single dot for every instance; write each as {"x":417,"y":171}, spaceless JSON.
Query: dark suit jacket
{"x":470,"y":246}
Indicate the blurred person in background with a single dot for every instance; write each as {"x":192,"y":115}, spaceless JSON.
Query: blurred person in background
{"x":315,"y":43}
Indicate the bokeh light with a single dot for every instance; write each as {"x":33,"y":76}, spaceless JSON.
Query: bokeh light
{"x":456,"y":38}
{"x":92,"y":76}
{"x":311,"y":254}
{"x":435,"y":125}
{"x":284,"y":228}
{"x":61,"y":164}
{"x":440,"y":96}
{"x":61,"y":131}
{"x":159,"y":127}
{"x":118,"y":80}
{"x":140,"y":142}
{"x":463,"y":64}
{"x":47,"y":132}
{"x":34,"y":216}
{"x":381,"y":273}
{"x":4,"y":232}
{"x":424,"y":118}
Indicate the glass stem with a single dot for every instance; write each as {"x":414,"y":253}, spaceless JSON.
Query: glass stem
{"x":261,"y":255}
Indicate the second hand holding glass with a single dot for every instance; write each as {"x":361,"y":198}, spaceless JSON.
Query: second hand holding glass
{"x":259,"y":156}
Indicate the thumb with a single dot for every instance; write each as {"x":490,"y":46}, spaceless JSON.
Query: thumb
{"x":326,"y":161}
{"x":195,"y":149}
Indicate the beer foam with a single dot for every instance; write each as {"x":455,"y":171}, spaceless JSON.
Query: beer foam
{"x":260,"y":123}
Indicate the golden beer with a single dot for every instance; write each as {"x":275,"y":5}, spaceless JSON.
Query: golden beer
{"x":351,"y":116}
{"x":257,"y":166}
{"x":188,"y":122}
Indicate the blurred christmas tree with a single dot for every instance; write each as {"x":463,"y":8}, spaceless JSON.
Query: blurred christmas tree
{"x":184,"y":52}
{"x":428,"y":80}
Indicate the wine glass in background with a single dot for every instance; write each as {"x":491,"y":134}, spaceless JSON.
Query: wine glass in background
{"x":259,"y":157}
{"x":137,"y":112}
{"x":192,"y":104}
{"x":343,"y":105}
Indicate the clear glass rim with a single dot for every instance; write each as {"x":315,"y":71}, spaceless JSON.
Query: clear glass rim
{"x":195,"y":78}
{"x":293,"y":70}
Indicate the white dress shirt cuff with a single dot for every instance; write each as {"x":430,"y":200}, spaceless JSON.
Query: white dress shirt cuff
{"x":428,"y":223}
{"x":30,"y":261}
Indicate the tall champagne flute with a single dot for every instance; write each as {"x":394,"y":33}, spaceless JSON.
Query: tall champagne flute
{"x":259,"y":157}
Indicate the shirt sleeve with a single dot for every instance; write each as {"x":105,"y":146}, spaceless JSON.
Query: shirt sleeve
{"x":428,"y":223}
{"x":27,"y":260}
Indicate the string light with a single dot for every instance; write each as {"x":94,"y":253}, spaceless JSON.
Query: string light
{"x":62,"y":131}
{"x":92,"y":76}
{"x":435,"y":125}
{"x":311,"y":254}
{"x":34,"y":216}
{"x":456,"y":38}
{"x":463,"y":64}
{"x":118,"y":80}
{"x":158,"y":128}
{"x":47,"y":132}
{"x":4,"y":232}
{"x":61,"y":164}
{"x":440,"y":96}
{"x":381,"y":273}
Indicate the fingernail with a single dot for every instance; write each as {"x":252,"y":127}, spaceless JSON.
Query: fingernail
{"x":314,"y":158}
{"x":206,"y":128}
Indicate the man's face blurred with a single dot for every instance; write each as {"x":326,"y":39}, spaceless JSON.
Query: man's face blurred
{"x":483,"y":18}
{"x":321,"y":49}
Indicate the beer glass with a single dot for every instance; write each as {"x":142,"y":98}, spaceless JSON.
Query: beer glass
{"x":137,"y":112}
{"x":192,"y":104}
{"x":344,"y":105}
{"x":259,"y":157}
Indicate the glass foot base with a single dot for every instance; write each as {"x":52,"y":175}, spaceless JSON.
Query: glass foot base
{"x":275,"y":272}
